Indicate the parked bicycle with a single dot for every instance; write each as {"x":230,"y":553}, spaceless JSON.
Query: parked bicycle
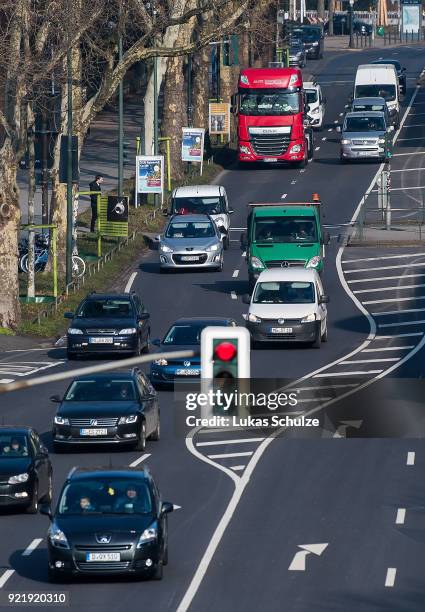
{"x":41,"y":257}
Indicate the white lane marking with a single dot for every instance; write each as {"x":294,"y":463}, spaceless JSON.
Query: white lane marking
{"x":5,"y":577}
{"x":140,"y":459}
{"x":391,"y":336}
{"x":283,"y":196}
{"x":383,"y":257}
{"x":32,"y":547}
{"x":402,"y":324}
{"x":390,"y":578}
{"x":244,"y":254}
{"x":336,"y":121}
{"x":341,"y":114}
{"x":401,"y":516}
{"x":413,"y":125}
{"x":407,"y":169}
{"x":410,"y":458}
{"x":130,"y":282}
{"x":233,"y":295}
{"x":379,"y":289}
{"x":368,"y":360}
{"x":396,"y":312}
{"x":237,"y":441}
{"x":302,"y":170}
{"x":317,"y":148}
{"x":293,"y":182}
{"x":330,"y":129}
{"x":409,"y":154}
{"x":5,"y":381}
{"x":408,"y":265}
{"x":324,"y":138}
{"x":237,"y":468}
{"x":382,"y":278}
{"x":229,"y":455}
{"x":25,"y":350}
{"x":403,"y":188}
{"x":235,"y":274}
{"x":406,"y":139}
{"x":396,"y":299}
{"x":331,"y":374}
{"x":298,"y":563}
{"x":388,"y":348}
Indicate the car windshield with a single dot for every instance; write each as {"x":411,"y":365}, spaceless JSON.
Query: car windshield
{"x":105,"y":309}
{"x":184,"y":334}
{"x":101,"y":390}
{"x":364,"y":124}
{"x":190,"y":229}
{"x":285,"y":229}
{"x":388,"y":92}
{"x":284,"y":292}
{"x":13,"y":445}
{"x":198,"y":205}
{"x":311,"y":96}
{"x":269,"y":103}
{"x":105,"y":496}
{"x":361,"y":108}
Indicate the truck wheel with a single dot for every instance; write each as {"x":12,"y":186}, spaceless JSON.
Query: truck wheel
{"x":303,"y":163}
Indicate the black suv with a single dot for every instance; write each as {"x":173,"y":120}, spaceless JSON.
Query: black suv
{"x":108,"y":521}
{"x":108,"y":323}
{"x":112,"y":408}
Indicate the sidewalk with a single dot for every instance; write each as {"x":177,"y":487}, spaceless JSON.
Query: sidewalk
{"x":340,"y":43}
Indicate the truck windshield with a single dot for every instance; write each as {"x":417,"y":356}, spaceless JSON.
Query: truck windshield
{"x":198,"y":205}
{"x":284,"y":292}
{"x":376,"y":91}
{"x":285,"y":229}
{"x":269,"y":103}
{"x":364,"y":124}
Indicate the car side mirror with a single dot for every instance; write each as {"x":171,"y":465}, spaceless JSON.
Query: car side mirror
{"x":246,"y":298}
{"x":338,"y":129}
{"x":166,"y":507}
{"x":156,"y":342}
{"x":46,"y":510}
{"x":68,"y":315}
{"x":56,"y":399}
{"x":144,"y":316}
{"x":324,"y":299}
{"x":244,"y":240}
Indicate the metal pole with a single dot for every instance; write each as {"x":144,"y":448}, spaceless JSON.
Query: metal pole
{"x":120,"y":126}
{"x":69,"y":203}
{"x":351,"y":43}
{"x":44,"y":172}
{"x":155,"y":114}
{"x":217,"y":68}
{"x":189,"y":90}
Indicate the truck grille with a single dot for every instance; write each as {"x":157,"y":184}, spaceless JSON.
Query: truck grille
{"x":271,"y":145}
{"x":278,"y":263}
{"x":100,"y":422}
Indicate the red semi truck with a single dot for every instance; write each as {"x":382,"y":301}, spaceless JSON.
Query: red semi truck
{"x":271,"y":110}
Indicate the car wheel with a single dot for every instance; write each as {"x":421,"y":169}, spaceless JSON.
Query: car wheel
{"x":141,"y":443}
{"x":158,"y":572}
{"x":316,"y":344}
{"x":156,"y":435}
{"x":220,"y":267}
{"x":47,"y":499}
{"x":303,"y":163}
{"x":165,"y":557}
{"x":325,"y":333}
{"x":147,"y":345}
{"x":138,"y":350}
{"x":33,"y":507}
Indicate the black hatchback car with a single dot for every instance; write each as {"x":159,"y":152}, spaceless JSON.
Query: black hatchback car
{"x":108,"y":522}
{"x":108,"y":323}
{"x":111,"y":408}
{"x":25,"y":469}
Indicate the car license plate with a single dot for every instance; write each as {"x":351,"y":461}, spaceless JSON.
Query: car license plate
{"x":270,"y":159}
{"x":190,"y":257}
{"x":103,"y":556}
{"x":94,"y":432}
{"x":101,"y":340}
{"x":281,"y":330}
{"x":365,"y":153}
{"x":187,"y":372}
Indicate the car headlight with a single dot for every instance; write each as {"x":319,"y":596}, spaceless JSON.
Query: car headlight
{"x":18,"y":478}
{"x":213,"y":247}
{"x":127,"y":331}
{"x":314,"y":262}
{"x":309,"y":318}
{"x":61,"y":420}
{"x":244,"y":149}
{"x":346,"y":141}
{"x":219,"y":220}
{"x":125,"y":420}
{"x":57,"y":537}
{"x":149,"y":535}
{"x":296,"y":148}
{"x":381,"y":140}
{"x":315,"y":111}
{"x":253,"y":319}
{"x":74,"y":330}
{"x":256,"y":262}
{"x":315,"y":43}
{"x":161,"y":362}
{"x":165,"y":249}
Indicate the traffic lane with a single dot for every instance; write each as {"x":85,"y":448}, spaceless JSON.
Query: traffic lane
{"x":355,"y":520}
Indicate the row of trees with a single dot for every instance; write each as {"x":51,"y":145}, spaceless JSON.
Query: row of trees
{"x":35,"y":36}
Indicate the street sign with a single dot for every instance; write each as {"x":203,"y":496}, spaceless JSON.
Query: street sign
{"x":112,"y":215}
{"x":219,"y":118}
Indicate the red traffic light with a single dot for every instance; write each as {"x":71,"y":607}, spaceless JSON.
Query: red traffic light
{"x":225,"y":351}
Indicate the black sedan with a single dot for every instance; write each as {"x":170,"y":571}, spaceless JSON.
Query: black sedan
{"x":108,"y":522}
{"x":25,"y":469}
{"x":108,"y":323}
{"x":401,"y":72}
{"x":112,"y":408}
{"x":184,"y":334}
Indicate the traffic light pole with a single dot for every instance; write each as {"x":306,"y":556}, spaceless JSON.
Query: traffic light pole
{"x":351,"y":42}
{"x":120,"y":126}
{"x":155,"y":115}
{"x":69,"y":203}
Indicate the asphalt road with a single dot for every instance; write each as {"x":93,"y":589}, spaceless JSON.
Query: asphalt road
{"x":243,"y":517}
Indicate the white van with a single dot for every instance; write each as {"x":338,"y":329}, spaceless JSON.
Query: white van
{"x":380,"y":80}
{"x":316,"y":101}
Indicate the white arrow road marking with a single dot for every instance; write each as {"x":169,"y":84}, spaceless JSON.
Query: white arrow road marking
{"x":341,"y":432}
{"x":298,"y":563}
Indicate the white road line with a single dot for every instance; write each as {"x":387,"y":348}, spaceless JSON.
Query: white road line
{"x":5,"y":577}
{"x":283,"y":196}
{"x":237,"y":468}
{"x":341,"y":114}
{"x":383,"y":257}
{"x":235,"y":274}
{"x":409,"y":154}
{"x":5,"y":381}
{"x":382,"y":278}
{"x":406,"y":139}
{"x":358,"y":373}
{"x":229,"y":455}
{"x":396,"y":312}
{"x":408,"y":265}
{"x":402,"y":189}
{"x":402,"y":324}
{"x":130,"y":282}
{"x":368,"y":360}
{"x":407,"y":169}
{"x":330,"y":129}
{"x":397,"y":299}
{"x":32,"y":547}
{"x":379,"y":289}
{"x":317,"y":148}
{"x":324,"y":138}
{"x":140,"y":459}
{"x":237,"y":441}
{"x":293,"y":182}
{"x":244,"y":254}
{"x":233,"y":295}
{"x":390,"y":578}
{"x":388,"y":348}
{"x":411,"y":458}
{"x":401,"y":516}
{"x":390,"y":337}
{"x":413,"y":125}
{"x":336,"y":121}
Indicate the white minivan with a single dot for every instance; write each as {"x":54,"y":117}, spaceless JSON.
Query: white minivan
{"x":379,"y":80}
{"x":288,"y":305}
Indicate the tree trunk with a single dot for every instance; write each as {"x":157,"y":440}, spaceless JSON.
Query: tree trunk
{"x":321,"y":9}
{"x":200,"y":91}
{"x":31,"y":194}
{"x":331,"y":17}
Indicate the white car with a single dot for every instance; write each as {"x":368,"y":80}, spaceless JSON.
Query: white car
{"x":316,"y":101}
{"x":288,"y":304}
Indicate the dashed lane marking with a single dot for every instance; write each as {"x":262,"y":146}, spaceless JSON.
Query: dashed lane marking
{"x":390,"y":578}
{"x":347,"y":261}
{"x":5,"y":577}
{"x":408,"y":265}
{"x":235,"y":274}
{"x":410,"y":458}
{"x":382,"y":278}
{"x":401,"y":516}
{"x":233,"y":295}
{"x":31,"y":547}
{"x":139,"y":460}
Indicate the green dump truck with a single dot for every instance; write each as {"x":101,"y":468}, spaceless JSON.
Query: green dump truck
{"x":280,"y":235}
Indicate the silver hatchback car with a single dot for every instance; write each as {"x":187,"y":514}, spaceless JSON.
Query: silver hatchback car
{"x":191,"y":241}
